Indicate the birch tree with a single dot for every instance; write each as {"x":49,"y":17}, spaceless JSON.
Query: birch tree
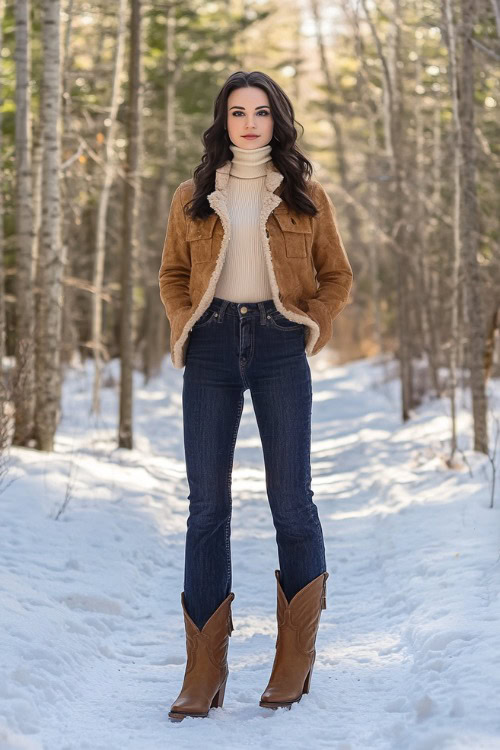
{"x":51,"y":259}
{"x":24,"y":391}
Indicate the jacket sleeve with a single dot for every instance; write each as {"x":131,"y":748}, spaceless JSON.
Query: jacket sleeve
{"x":333,"y":270}
{"x":175,"y":268}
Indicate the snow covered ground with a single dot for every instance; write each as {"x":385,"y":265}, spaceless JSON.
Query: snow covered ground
{"x":92,"y":648}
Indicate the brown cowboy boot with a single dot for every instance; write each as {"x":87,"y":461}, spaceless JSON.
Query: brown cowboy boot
{"x":206,"y":668}
{"x":298,"y":623}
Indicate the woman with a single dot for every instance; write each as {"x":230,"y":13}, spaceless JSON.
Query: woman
{"x":252,"y":275}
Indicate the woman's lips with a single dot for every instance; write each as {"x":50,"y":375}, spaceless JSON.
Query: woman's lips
{"x":251,"y":137}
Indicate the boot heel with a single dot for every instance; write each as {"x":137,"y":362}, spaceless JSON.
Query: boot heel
{"x":218,"y":699}
{"x":307,"y":682}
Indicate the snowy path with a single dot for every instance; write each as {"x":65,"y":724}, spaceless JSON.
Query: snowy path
{"x":92,"y":650}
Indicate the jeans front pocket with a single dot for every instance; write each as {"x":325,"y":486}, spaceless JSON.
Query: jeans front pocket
{"x":277,"y":320}
{"x":207,"y":317}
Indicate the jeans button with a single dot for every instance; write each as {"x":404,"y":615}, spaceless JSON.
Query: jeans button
{"x":243,"y":309}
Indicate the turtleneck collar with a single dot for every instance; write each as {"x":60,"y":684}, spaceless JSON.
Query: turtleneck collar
{"x":249,"y":162}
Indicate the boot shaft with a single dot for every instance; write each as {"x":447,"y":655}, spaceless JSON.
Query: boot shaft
{"x":301,"y":615}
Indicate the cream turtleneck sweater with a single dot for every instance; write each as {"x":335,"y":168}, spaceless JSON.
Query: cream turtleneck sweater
{"x":244,"y":276}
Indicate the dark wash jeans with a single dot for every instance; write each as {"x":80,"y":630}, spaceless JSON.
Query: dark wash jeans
{"x":234,"y":346}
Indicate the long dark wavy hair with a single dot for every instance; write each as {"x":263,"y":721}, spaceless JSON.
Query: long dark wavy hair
{"x":285,"y":154}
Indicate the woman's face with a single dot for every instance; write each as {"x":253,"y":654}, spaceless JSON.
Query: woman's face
{"x":249,"y":113}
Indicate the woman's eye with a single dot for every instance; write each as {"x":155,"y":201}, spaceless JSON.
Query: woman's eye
{"x":261,"y":112}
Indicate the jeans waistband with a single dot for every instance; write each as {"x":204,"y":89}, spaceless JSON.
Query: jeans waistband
{"x":251,"y":309}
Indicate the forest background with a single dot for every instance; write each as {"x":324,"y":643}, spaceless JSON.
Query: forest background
{"x":103,"y":110}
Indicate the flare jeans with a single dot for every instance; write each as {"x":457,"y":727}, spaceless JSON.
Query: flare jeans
{"x":234,"y":346}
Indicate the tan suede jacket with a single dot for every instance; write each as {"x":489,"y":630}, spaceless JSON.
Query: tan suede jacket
{"x":309,"y":271}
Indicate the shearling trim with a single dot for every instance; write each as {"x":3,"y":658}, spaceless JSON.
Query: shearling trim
{"x":269,"y":203}
{"x":218,"y":201}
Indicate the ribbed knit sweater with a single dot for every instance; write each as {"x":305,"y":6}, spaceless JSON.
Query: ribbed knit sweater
{"x":244,"y":276}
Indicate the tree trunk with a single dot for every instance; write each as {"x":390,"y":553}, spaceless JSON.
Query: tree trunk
{"x":398,"y":200}
{"x":2,"y":274}
{"x":455,"y":261}
{"x":469,"y":229}
{"x":424,"y":300}
{"x":435,"y":262}
{"x":489,"y":351}
{"x":110,"y":162}
{"x":393,"y":135}
{"x":130,"y":226}
{"x":51,"y":260}
{"x":372,"y":113}
{"x":24,"y":390}
{"x":157,"y":328}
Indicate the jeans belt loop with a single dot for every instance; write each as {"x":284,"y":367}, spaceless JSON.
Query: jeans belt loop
{"x":222,"y":310}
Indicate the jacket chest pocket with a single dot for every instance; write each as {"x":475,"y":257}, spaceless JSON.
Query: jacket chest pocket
{"x":297,"y":233}
{"x":200,"y":235}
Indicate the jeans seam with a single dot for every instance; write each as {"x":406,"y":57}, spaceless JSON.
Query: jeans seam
{"x":228,"y":484}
